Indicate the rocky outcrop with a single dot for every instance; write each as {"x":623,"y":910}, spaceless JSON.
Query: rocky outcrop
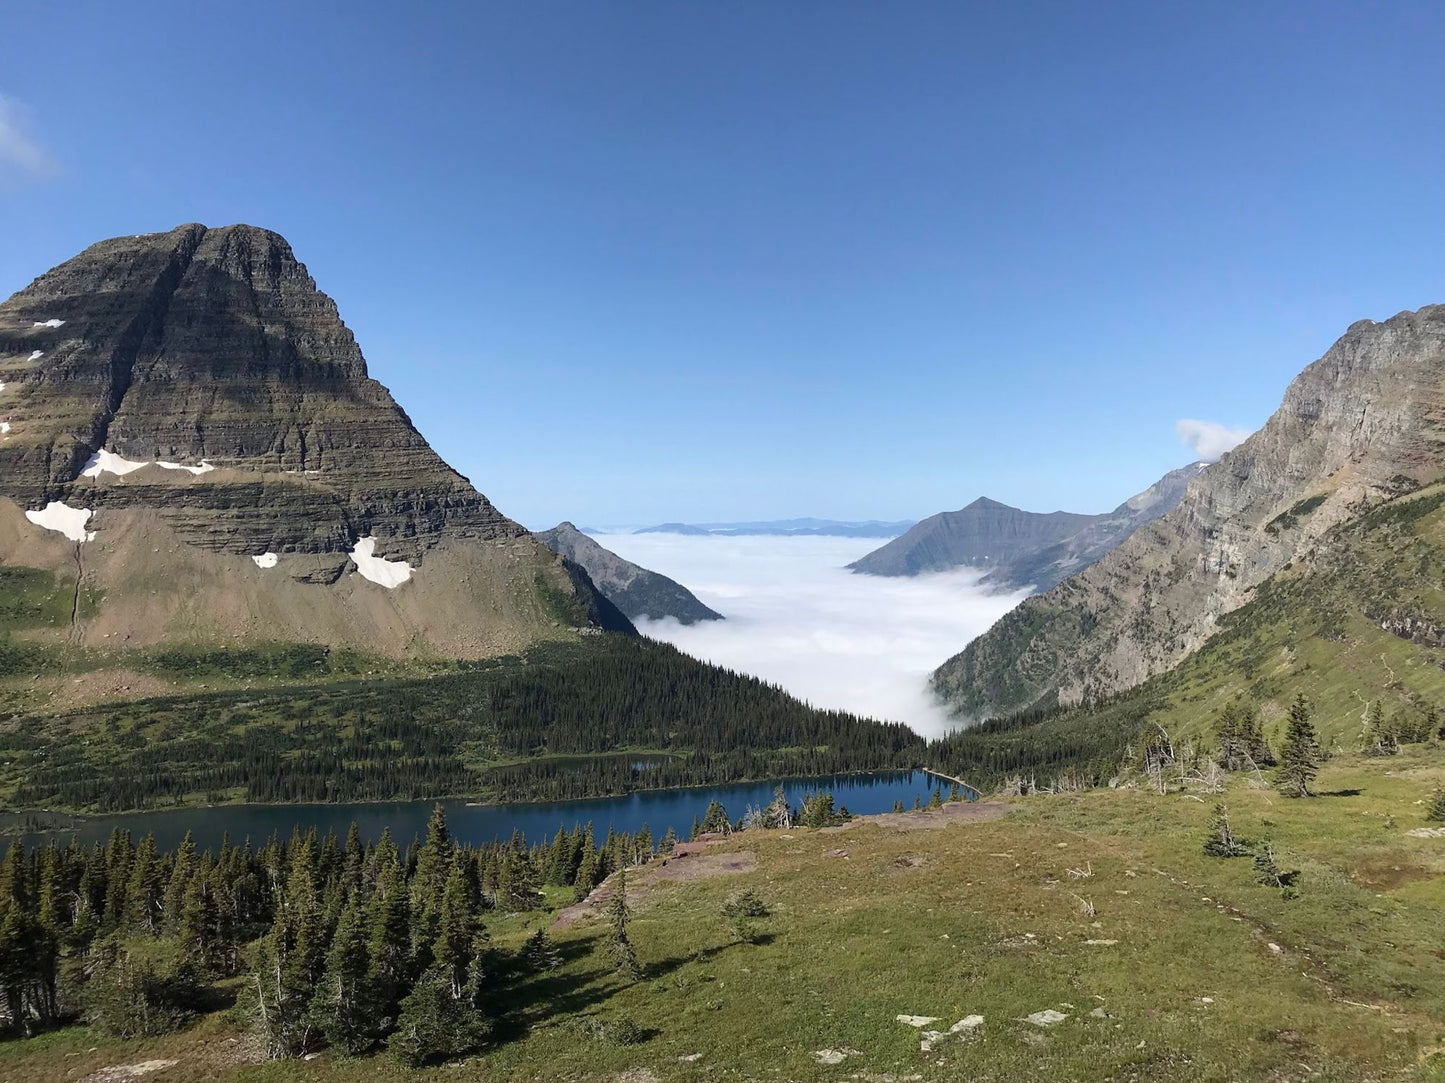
{"x":1357,"y":427}
{"x":199,"y":394}
{"x":637,"y":592}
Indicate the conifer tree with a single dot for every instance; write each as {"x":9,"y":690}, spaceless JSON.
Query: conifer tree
{"x":433,"y":1025}
{"x":455,"y":947}
{"x":118,"y":855}
{"x":1435,"y":812}
{"x":669,"y":840}
{"x":1220,"y":842}
{"x":1300,"y":757}
{"x":1230,"y":751}
{"x":145,"y":893}
{"x":346,"y":1006}
{"x":715,"y":819}
{"x":389,"y":946}
{"x":197,"y":926}
{"x":539,"y":954}
{"x":1266,"y":868}
{"x":291,"y":960}
{"x":182,"y":872}
{"x":936,"y":801}
{"x":1381,"y":736}
{"x":433,"y":861}
{"x":1251,"y":739}
{"x":619,"y":943}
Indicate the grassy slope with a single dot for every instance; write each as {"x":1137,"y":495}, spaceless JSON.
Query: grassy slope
{"x":1316,"y":629}
{"x":982,"y":918}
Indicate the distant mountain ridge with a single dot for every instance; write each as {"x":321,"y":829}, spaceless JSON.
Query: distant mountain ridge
{"x":635,"y":590}
{"x":1358,"y":429}
{"x":806,"y":527}
{"x":1022,"y":548}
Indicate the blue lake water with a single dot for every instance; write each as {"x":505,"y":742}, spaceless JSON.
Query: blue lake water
{"x":658,"y":809}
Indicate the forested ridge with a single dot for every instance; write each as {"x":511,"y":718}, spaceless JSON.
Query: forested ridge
{"x":614,"y":715}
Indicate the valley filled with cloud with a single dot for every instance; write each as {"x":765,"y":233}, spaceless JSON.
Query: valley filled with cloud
{"x":797,"y":617}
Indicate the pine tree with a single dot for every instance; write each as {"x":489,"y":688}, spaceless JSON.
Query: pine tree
{"x":198,"y":924}
{"x":1381,"y":736}
{"x":1251,"y":736}
{"x":669,"y":840}
{"x":936,"y":801}
{"x":1220,"y":842}
{"x":434,"y":1025}
{"x":1228,"y":738}
{"x":898,"y":806}
{"x":539,"y":954}
{"x":118,"y":855}
{"x":1266,"y":868}
{"x":146,"y":892}
{"x":1436,"y":810}
{"x":1300,"y":757}
{"x":182,"y":872}
{"x":619,"y":944}
{"x":455,"y":947}
{"x":291,"y":960}
{"x":389,"y":947}
{"x":346,"y":1006}
{"x":715,"y":819}
{"x":433,"y":860}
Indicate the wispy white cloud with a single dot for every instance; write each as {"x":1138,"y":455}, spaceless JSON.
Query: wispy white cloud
{"x":20,"y":155}
{"x":795,"y":617}
{"x":1209,"y":439}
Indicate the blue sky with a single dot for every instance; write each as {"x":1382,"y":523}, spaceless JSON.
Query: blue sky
{"x":631,"y":262}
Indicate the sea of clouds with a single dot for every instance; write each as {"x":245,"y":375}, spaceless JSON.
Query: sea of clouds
{"x":798,"y":618}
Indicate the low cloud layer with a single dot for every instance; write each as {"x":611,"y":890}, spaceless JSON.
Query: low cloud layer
{"x":797,"y":618}
{"x":1209,"y":439}
{"x":20,"y":156}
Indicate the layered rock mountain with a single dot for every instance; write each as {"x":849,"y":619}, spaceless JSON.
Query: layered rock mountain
{"x":636,"y":591}
{"x":189,"y":426}
{"x":1022,"y":549}
{"x":1359,"y":427}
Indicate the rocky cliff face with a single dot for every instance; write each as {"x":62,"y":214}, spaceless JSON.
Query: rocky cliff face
{"x":1359,"y":426}
{"x":637,"y":592}
{"x":201,"y":399}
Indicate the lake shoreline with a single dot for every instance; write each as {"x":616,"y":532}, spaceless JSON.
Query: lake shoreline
{"x":671,"y":806}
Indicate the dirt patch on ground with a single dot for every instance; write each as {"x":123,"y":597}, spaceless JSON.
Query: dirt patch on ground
{"x":926,"y":819}
{"x":688,"y":861}
{"x":1386,"y":875}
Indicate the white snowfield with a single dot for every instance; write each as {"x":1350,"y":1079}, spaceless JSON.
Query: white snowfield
{"x":64,"y":519}
{"x":4,"y":428}
{"x":36,"y":355}
{"x":49,"y":323}
{"x":204,"y":468}
{"x":108,"y":462}
{"x":388,"y":573}
{"x":266,"y":560}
